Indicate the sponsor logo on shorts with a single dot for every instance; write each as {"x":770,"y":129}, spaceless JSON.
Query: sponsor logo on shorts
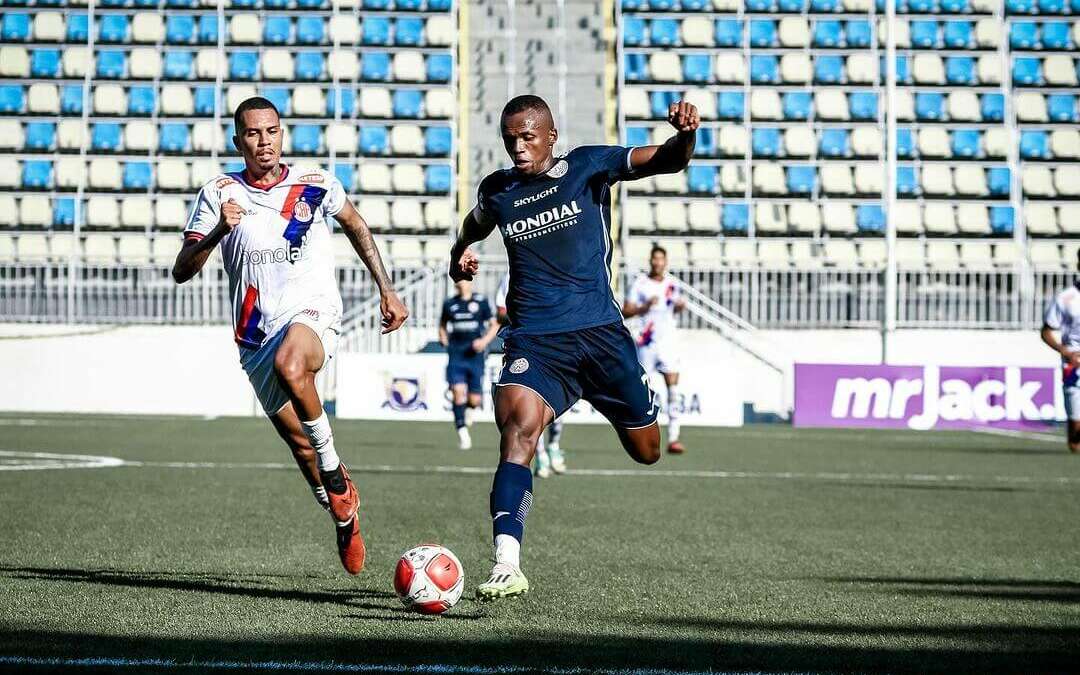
{"x":519,"y":366}
{"x":310,"y":178}
{"x":405,"y":394}
{"x":302,"y":212}
{"x":313,"y":313}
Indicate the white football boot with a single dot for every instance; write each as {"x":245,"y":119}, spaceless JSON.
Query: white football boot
{"x":506,"y":581}
{"x":464,"y":440}
{"x":558,"y":460}
{"x":543,"y":463}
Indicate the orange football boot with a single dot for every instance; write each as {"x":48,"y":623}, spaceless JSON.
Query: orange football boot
{"x":676,"y":448}
{"x":350,"y":546}
{"x":342,"y":493}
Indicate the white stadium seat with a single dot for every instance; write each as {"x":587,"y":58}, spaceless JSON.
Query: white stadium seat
{"x":140,"y":136}
{"x":170,"y":213}
{"x":376,"y":211}
{"x":727,"y":5}
{"x":439,"y":102}
{"x":934,"y":142}
{"x":838,"y":217}
{"x":109,"y":99}
{"x":773,"y":253}
{"x":858,"y":6}
{"x":908,"y":218}
{"x":1040,"y":219}
{"x":1059,"y":70}
{"x":33,"y":246}
{"x":277,"y":64}
{"x":75,"y":62}
{"x":308,"y":100}
{"x":344,"y":29}
{"x":99,"y":249}
{"x":245,"y":29}
{"x":704,"y":100}
{"x":697,"y":32}
{"x":707,"y":251}
{"x":133,"y":249}
{"x":670,"y":215}
{"x":1037,"y":181}
{"x":795,"y":68}
{"x":374,"y":178}
{"x":769,"y":179}
{"x":803,"y":256}
{"x":703,"y":216}
{"x":343,"y":64}
{"x":207,"y":136}
{"x":660,"y":133}
{"x":48,"y":27}
{"x":740,"y":253}
{"x":173,"y":174}
{"x":836,"y":179}
{"x":840,"y":253}
{"x":644,"y":185}
{"x":804,"y":217}
{"x":936,"y":179}
{"x":237,"y":94}
{"x":176,"y":99}
{"x":1067,"y":181}
{"x":733,"y":178}
{"x":635,"y":103}
{"x":1065,"y":143}
{"x":872,"y":252}
{"x":406,"y":214}
{"x":637,"y":215}
{"x":14,"y":62}
{"x":43,"y":98}
{"x":831,"y":104}
{"x":928,"y":69}
{"x":136,"y":212}
{"x":144,"y":63}
{"x":665,"y":67}
{"x":164,"y":248}
{"x":905,"y":105}
{"x":105,"y":174}
{"x":939,"y":218}
{"x":678,"y":251}
{"x":9,"y":215}
{"x":440,"y":31}
{"x":942,"y":254}
{"x":769,"y":218}
{"x":405,"y":248}
{"x":11,"y":135}
{"x":972,"y":219}
{"x":799,"y":141}
{"x":988,"y":33}
{"x":409,"y":67}
{"x":1045,"y":254}
{"x":869,"y":179}
{"x":1069,"y":221}
{"x":102,"y":212}
{"x":147,"y":28}
{"x":69,"y":171}
{"x":794,"y":31}
{"x":34,"y":211}
{"x":866,"y":141}
{"x":765,"y":104}
{"x":341,"y":138}
{"x":996,"y":142}
{"x":1006,"y":254}
{"x":207,"y":64}
{"x":862,"y":68}
{"x":406,"y":139}
{"x":989,"y":69}
{"x":1030,"y":107}
{"x":733,"y":140}
{"x":438,"y":214}
{"x":408,"y":178}
{"x":63,"y":245}
{"x":730,"y":68}
{"x":671,"y":183}
{"x":903,"y":33}
{"x":962,"y":105}
{"x":970,"y":181}
{"x":9,"y":172}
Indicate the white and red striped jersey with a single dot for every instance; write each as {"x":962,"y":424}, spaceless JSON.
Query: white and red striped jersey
{"x":279,"y":258}
{"x":659,"y":322}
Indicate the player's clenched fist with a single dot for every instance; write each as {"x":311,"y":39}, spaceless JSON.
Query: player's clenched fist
{"x":231,"y":212}
{"x":683,"y":116}
{"x":465,"y":266}
{"x":394,"y":312}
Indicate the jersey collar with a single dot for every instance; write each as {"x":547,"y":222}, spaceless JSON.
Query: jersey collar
{"x":284,"y":174}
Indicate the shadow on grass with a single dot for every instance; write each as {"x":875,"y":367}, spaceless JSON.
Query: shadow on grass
{"x":1066,"y":592}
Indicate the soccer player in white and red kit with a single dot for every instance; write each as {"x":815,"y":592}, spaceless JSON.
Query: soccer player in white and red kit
{"x":273,"y":225}
{"x":654,"y":297}
{"x":1063,"y":314}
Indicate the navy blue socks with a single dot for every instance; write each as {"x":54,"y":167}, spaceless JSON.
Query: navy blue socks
{"x":511,"y":496}
{"x":459,"y":415}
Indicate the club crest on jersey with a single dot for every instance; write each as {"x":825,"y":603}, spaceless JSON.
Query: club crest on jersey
{"x":519,"y":366}
{"x":474,"y":307}
{"x":302,"y":212}
{"x":559,"y":170}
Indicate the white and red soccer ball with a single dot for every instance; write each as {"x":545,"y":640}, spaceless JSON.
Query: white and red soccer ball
{"x":429,"y":579}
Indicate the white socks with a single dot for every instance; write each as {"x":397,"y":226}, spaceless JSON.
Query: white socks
{"x":322,"y":439}
{"x":673,"y":414}
{"x":508,"y":550}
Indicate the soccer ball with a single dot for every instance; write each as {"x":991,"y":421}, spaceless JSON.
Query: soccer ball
{"x":429,"y":579}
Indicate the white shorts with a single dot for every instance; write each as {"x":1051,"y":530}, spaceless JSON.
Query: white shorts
{"x":1072,"y":402}
{"x":659,"y":356}
{"x":259,"y":363}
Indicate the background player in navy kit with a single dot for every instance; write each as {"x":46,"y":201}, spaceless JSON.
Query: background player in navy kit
{"x":466,"y":328}
{"x":566,"y":339}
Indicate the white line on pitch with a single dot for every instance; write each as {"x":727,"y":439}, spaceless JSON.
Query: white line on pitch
{"x":1027,"y":435}
{"x":19,"y":460}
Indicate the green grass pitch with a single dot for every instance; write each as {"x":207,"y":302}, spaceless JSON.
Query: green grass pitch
{"x":765,"y":548}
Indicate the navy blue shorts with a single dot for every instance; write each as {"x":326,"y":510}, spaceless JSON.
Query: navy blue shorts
{"x":467,"y":370}
{"x":597,"y":364}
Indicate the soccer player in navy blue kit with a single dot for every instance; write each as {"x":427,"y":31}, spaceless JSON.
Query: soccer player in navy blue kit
{"x":466,"y":328}
{"x":566,"y":339}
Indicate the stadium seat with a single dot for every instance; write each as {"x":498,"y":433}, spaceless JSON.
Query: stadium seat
{"x":341,"y":138}
{"x":14,"y":62}
{"x":762,"y":33}
{"x":958,"y":34}
{"x":1040,"y":219}
{"x":376,"y":31}
{"x":728,"y":33}
{"x":306,"y":139}
{"x":733,"y":179}
{"x":696,"y":32}
{"x":1060,"y":108}
{"x":794,"y":32}
{"x":1023,"y":35}
{"x":308,"y":66}
{"x":992,"y":107}
{"x":438,"y":215}
{"x":906,"y":183}
{"x":1065,"y":143}
{"x":111,"y":64}
{"x":766,"y":142}
{"x":638,"y":216}
{"x":831,"y":105}
{"x":706,"y":143}
{"x":929,"y":106}
{"x":78,"y":28}
{"x":309,"y":30}
{"x":45,"y":63}
{"x":408,"y":178}
{"x":1037,"y":181}
{"x":407,"y":140}
{"x":999,"y":181}
{"x":109,"y":99}
{"x":33,"y":211}
{"x":48,"y":26}
{"x":962,"y":106}
{"x":138,"y":176}
{"x":148,"y":28}
{"x":343,"y":29}
{"x":866,"y":141}
{"x":1034,"y":145}
{"x":408,"y":32}
{"x":870,"y":218}
{"x":828,"y":34}
{"x":804,"y":217}
{"x":174,"y":138}
{"x":824,"y":6}
{"x":863,"y":105}
{"x":113,"y":28}
{"x":764,"y":104}
{"x":731,"y":68}
{"x":869,"y":179}
{"x":406,"y":103}
{"x":1060,"y":71}
{"x":928,"y":69}
{"x":439,"y":68}
{"x":1044,"y":254}
{"x":1027,"y":71}
{"x":764,"y":69}
{"x":670,"y":216}
{"x":374,"y":140}
{"x":924,"y":34}
{"x":939,"y":218}
{"x":799,"y":141}
{"x":841,"y":253}
{"x":937,"y":180}
{"x":965,"y":143}
{"x":701,"y":179}
{"x":439,"y":103}
{"x":105,"y":137}
{"x":970,"y":181}
{"x":105,"y":174}
{"x":665,"y":67}
{"x":343,"y":64}
{"x":39,"y":137}
{"x":795,"y":68}
{"x":633,"y":31}
{"x":735,"y":217}
{"x":1069,"y":222}
{"x":376,"y":102}
{"x":697,"y":68}
{"x":800,"y":180}
{"x":858,"y":34}
{"x":179,"y":29}
{"x":834,"y":143}
{"x":987,"y":33}
{"x":989,"y":69}
{"x":730,"y":105}
{"x":838,"y":218}
{"x":36,"y":174}
{"x":796,"y":104}
{"x":243,"y":65}
{"x":1067,"y":181}
{"x":862,"y":69}
{"x":1055,"y":35}
{"x":836,"y":179}
{"x":828,"y":68}
{"x":769,"y":218}
{"x":733,"y":141}
{"x":960,"y":70}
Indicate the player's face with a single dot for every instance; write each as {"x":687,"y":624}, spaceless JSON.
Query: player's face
{"x":260,"y":139}
{"x":529,"y":137}
{"x":658,"y":264}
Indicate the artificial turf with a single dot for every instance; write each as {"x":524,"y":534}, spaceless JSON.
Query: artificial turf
{"x":803,"y":550}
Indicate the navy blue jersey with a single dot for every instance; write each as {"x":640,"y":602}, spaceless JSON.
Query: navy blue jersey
{"x":556,"y":230}
{"x":465,"y":320}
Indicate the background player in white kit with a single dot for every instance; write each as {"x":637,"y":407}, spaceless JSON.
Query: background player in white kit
{"x":273,"y":223}
{"x":654,"y":297}
{"x":548,"y":458}
{"x":1063,"y":314}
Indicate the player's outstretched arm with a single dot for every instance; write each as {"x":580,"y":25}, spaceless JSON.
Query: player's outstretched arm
{"x":195,"y":252}
{"x":630,"y":309}
{"x":476,"y":227}
{"x":356,"y":229}
{"x":674,"y":155}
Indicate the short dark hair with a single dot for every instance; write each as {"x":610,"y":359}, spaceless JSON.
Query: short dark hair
{"x":253,"y":103}
{"x":524,"y":103}
{"x":657,"y":249}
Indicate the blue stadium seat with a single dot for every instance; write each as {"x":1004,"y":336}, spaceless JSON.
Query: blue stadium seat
{"x":105,"y":137}
{"x":834,"y":143}
{"x":409,"y":32}
{"x":766,"y":142}
{"x":1055,"y":34}
{"x":204,"y":101}
{"x":374,"y":140}
{"x":999,"y":181}
{"x":78,"y":28}
{"x":208,"y":29}
{"x":15,"y":27}
{"x":141,"y":3}
{"x":281,"y":97}
{"x":792,"y":6}
{"x":375,"y":67}
{"x":244,"y":4}
{"x":1027,"y":70}
{"x":70,"y":99}
{"x":797,"y":105}
{"x":906,"y":183}
{"x":408,"y":5}
{"x":955,"y":6}
{"x":992,"y":107}
{"x":1034,"y":145}
{"x":174,"y":137}
{"x":924,"y":34}
{"x":114,"y":28}
{"x":828,"y":34}
{"x":40,"y":136}
{"x":308,"y":66}
{"x":635,"y":67}
{"x":137,"y":176}
{"x":662,"y":5}
{"x":695,"y":5}
{"x":306,"y":139}
{"x":960,"y":70}
{"x":377,"y":4}
{"x":659,"y":102}
{"x":141,"y":101}
{"x":920,"y":6}
{"x":440,"y":67}
{"x":183,"y":4}
{"x":178,"y":65}
{"x":438,"y":140}
{"x":929,"y":106}
{"x":1061,"y":108}
{"x":959,"y":34}
{"x":633,"y":32}
{"x":905,"y":143}
{"x":439,"y":5}
{"x":437,"y":178}
{"x":179,"y":29}
{"x":731,"y":105}
{"x":1053,"y":7}
{"x":966,"y":143}
{"x":1024,"y":35}
{"x":824,"y":5}
{"x":663,"y":32}
{"x":243,"y":65}
{"x":638,"y":136}
{"x":407,"y":103}
{"x":828,"y":68}
{"x":762,"y":32}
{"x":863,"y":105}
{"x":701,"y":179}
{"x":12,"y":98}
{"x":759,"y":5}
{"x":346,"y":173}
{"x":1001,"y":220}
{"x":858,"y":33}
{"x":348,"y":102}
{"x":111,"y":64}
{"x":870,"y":218}
{"x":728,"y":33}
{"x":63,"y":212}
{"x":706,"y":142}
{"x":801,"y":180}
{"x":310,"y":4}
{"x":764,"y":69}
{"x":277,"y":30}
{"x":44,"y":63}
{"x":376,"y":31}
{"x":903,"y":69}
{"x":37,"y":174}
{"x":735,"y":217}
{"x":697,"y":68}
{"x":310,"y":30}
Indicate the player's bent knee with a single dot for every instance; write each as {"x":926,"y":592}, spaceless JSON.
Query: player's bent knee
{"x":643,"y":445}
{"x":291,"y":369}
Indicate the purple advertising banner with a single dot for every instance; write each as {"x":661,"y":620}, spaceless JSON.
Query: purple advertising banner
{"x":926,"y":397}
